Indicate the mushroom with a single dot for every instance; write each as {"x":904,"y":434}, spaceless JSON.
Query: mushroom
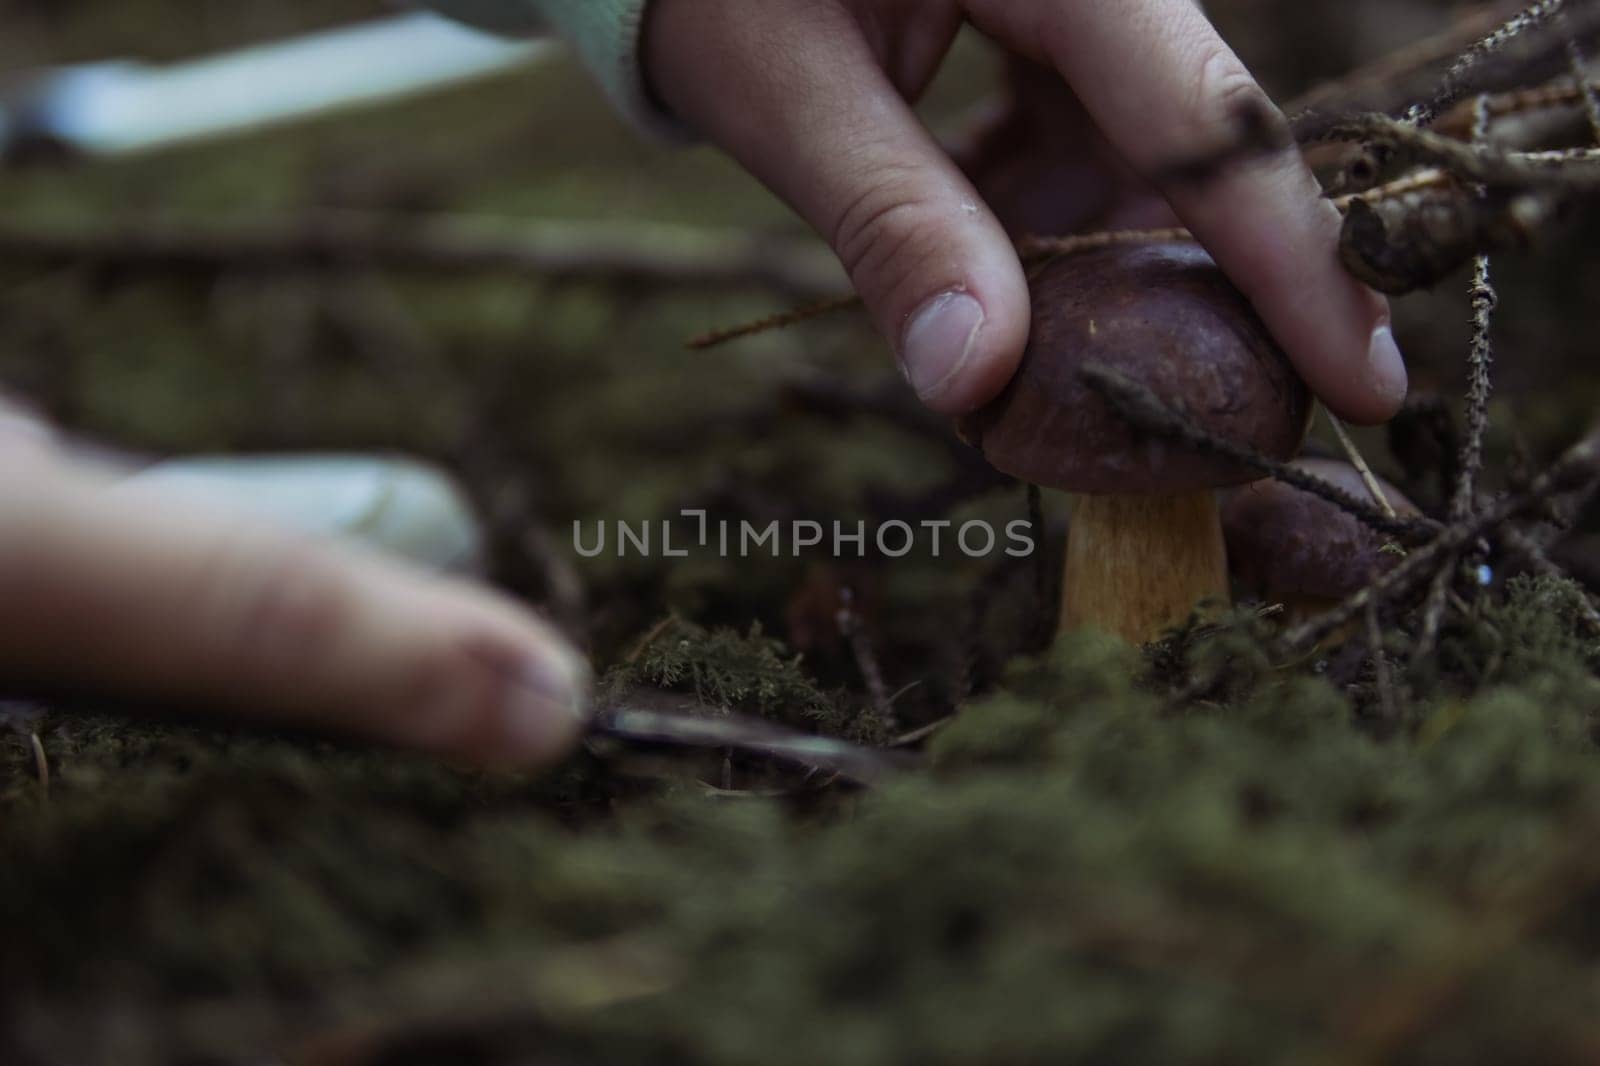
{"x":1288,"y":546}
{"x":1145,"y":543}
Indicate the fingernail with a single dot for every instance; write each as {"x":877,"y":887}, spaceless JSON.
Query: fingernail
{"x":939,"y":341}
{"x":547,"y":705}
{"x":1386,"y":365}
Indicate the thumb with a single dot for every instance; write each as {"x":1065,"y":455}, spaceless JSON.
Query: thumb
{"x":825,"y":128}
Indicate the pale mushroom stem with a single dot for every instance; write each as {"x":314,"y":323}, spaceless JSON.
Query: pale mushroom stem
{"x":1139,"y":565}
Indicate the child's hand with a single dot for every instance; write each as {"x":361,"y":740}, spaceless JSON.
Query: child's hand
{"x":811,"y":95}
{"x":112,"y":592}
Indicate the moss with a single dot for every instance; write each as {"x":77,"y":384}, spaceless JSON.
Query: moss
{"x":1091,"y":869}
{"x":1081,"y":676}
{"x":1257,"y":879}
{"x":728,"y":671}
{"x":1196,"y":887}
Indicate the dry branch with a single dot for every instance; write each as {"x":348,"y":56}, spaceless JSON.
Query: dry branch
{"x":1140,"y":407}
{"x":1457,"y":80}
{"x":1578,"y":61}
{"x":1475,"y":60}
{"x":1459,"y":121}
{"x":1359,"y":461}
{"x":1434,"y":606}
{"x":1577,"y":468}
{"x":853,"y":629}
{"x":636,"y":253}
{"x":1480,"y":361}
{"x":1405,"y":146}
{"x":1393,"y":80}
{"x":751,"y":736}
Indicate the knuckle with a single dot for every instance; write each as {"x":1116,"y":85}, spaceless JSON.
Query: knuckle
{"x":873,"y":232}
{"x":1223,"y":89}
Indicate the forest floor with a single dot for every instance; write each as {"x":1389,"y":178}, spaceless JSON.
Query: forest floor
{"x":1202,"y":851}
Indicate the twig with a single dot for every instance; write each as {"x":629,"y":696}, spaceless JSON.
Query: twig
{"x":1418,"y":181}
{"x":1498,"y":199}
{"x":1455,"y":84}
{"x":1408,"y":146}
{"x":1559,"y":156}
{"x":1520,"y":102}
{"x":1359,"y":461}
{"x":1035,"y":248}
{"x":659,"y":256}
{"x":781,"y":320}
{"x":753,"y":736}
{"x":1032,"y":250}
{"x":1395,"y":583}
{"x":1581,"y":85}
{"x":41,"y":764}
{"x":1038,"y":249}
{"x":1381,"y":84}
{"x":1140,"y":407}
{"x":1537,"y":58}
{"x":917,"y":736}
{"x":1482,"y":37}
{"x":1578,"y":466}
{"x":851,"y":628}
{"x":1480,"y":361}
{"x":1440,"y":598}
{"x":1480,"y":387}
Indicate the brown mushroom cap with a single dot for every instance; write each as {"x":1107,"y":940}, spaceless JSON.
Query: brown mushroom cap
{"x":1164,"y":316}
{"x":1284,"y":543}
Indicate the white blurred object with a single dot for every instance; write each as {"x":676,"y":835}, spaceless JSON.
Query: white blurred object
{"x":122,"y":106}
{"x":406,"y":508}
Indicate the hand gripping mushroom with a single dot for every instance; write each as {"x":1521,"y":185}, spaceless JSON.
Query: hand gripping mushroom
{"x":1145,"y":543}
{"x":1290,"y":547}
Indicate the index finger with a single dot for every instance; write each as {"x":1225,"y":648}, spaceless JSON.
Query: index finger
{"x":1165,"y":88}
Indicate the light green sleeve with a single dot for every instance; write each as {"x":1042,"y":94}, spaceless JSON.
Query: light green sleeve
{"x":605,"y":34}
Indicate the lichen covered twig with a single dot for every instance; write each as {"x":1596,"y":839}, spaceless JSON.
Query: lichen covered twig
{"x":1147,"y":413}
